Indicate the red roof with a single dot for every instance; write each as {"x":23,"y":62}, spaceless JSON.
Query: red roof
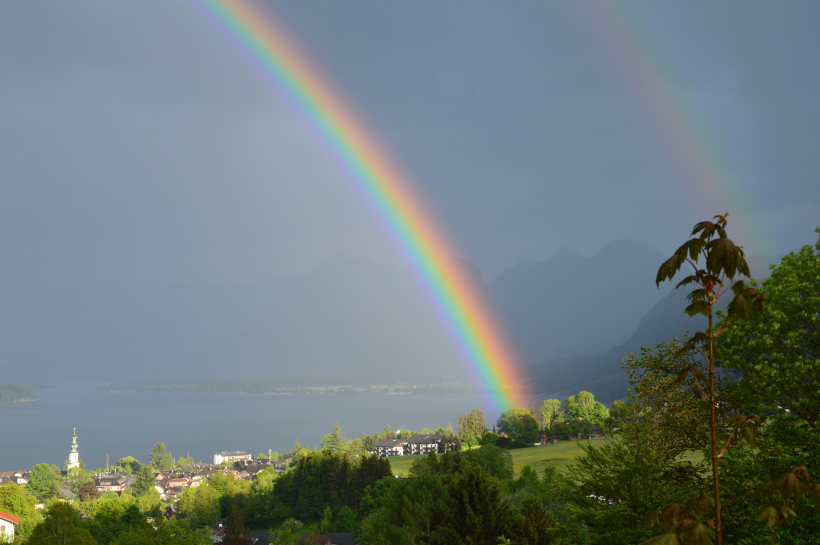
{"x":10,"y":518}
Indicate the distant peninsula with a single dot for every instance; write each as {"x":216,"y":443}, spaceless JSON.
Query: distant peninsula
{"x":294,"y":385}
{"x":16,"y":393}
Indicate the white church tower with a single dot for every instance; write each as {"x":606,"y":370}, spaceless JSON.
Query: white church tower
{"x":74,"y":456}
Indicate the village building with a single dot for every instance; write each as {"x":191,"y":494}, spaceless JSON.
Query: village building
{"x":341,"y":538}
{"x":315,"y":539}
{"x":424,"y":444}
{"x":106,"y":483}
{"x":391,"y":447}
{"x":7,"y":523}
{"x":236,"y":456}
{"x":596,"y":431}
{"x":19,"y":477}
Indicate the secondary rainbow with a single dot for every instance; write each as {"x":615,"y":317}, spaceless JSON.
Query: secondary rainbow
{"x":688,"y":132}
{"x":257,"y":36}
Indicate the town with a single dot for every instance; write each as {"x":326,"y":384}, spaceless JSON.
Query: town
{"x":166,"y":487}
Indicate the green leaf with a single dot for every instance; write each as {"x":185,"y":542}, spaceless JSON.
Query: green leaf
{"x":699,"y":534}
{"x":769,"y":516}
{"x":698,"y":307}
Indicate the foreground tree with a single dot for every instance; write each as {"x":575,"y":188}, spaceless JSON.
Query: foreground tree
{"x":624,"y":479}
{"x":723,"y":261}
{"x":777,"y":353}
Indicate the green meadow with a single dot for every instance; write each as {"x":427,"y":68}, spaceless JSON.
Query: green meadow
{"x":559,"y":455}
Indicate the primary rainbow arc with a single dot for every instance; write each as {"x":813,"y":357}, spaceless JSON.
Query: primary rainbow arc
{"x":276,"y":58}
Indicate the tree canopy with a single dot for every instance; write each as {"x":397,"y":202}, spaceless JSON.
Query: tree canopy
{"x":583,"y":405}
{"x":777,"y":353}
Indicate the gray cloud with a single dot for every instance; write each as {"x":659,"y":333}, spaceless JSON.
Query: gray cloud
{"x":138,"y":146}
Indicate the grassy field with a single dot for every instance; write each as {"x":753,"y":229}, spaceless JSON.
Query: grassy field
{"x":559,"y":455}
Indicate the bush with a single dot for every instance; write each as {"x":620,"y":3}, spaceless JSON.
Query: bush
{"x":292,"y":524}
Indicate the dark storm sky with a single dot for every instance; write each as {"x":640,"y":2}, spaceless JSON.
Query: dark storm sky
{"x":137,"y":146}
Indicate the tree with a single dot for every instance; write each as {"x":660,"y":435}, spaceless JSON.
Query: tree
{"x":296,"y":446}
{"x":150,"y":502}
{"x":130,"y":464}
{"x":60,"y":526}
{"x":550,"y":413}
{"x":235,"y":529}
{"x":145,"y":481}
{"x":625,"y":479}
{"x":473,"y":511}
{"x":583,"y":405}
{"x":471,"y":425}
{"x":777,"y":353}
{"x":723,"y":259}
{"x":200,"y":504}
{"x":15,"y":501}
{"x":88,"y":492}
{"x":333,"y":441}
{"x":519,"y":425}
{"x":161,"y":459}
{"x":40,"y":479}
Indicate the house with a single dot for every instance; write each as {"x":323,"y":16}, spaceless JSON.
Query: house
{"x":172,"y":493}
{"x":424,"y":444}
{"x":547,"y":439}
{"x":235,"y":456}
{"x":104,"y":484}
{"x":596,"y":431}
{"x":261,"y":538}
{"x":218,"y":530}
{"x":341,"y":538}
{"x":177,"y":482}
{"x":39,"y":504}
{"x":19,"y":477}
{"x":391,"y":447}
{"x":315,"y":539}
{"x":7,"y":523}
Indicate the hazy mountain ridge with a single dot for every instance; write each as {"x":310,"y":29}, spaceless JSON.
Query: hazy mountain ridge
{"x":601,"y":373}
{"x":570,"y":304}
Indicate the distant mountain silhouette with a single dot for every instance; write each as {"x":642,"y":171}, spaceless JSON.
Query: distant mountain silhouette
{"x":601,"y":373}
{"x":571,"y":304}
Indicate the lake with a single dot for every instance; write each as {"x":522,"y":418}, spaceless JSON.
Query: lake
{"x":129,"y":424}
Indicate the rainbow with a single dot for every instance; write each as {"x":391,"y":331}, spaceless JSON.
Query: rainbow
{"x":689,"y":136}
{"x":458,"y":302}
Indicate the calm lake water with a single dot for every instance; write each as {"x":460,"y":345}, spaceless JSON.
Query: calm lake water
{"x":129,"y":424}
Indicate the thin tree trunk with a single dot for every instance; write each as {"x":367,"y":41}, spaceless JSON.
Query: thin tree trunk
{"x":713,"y":423}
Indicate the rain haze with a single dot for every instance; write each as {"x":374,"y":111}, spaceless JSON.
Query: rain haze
{"x":165,"y":214}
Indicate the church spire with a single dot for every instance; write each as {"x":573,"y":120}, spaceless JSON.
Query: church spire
{"x":73,"y":456}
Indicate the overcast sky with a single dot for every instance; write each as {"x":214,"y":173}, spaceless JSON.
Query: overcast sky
{"x":137,"y":146}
